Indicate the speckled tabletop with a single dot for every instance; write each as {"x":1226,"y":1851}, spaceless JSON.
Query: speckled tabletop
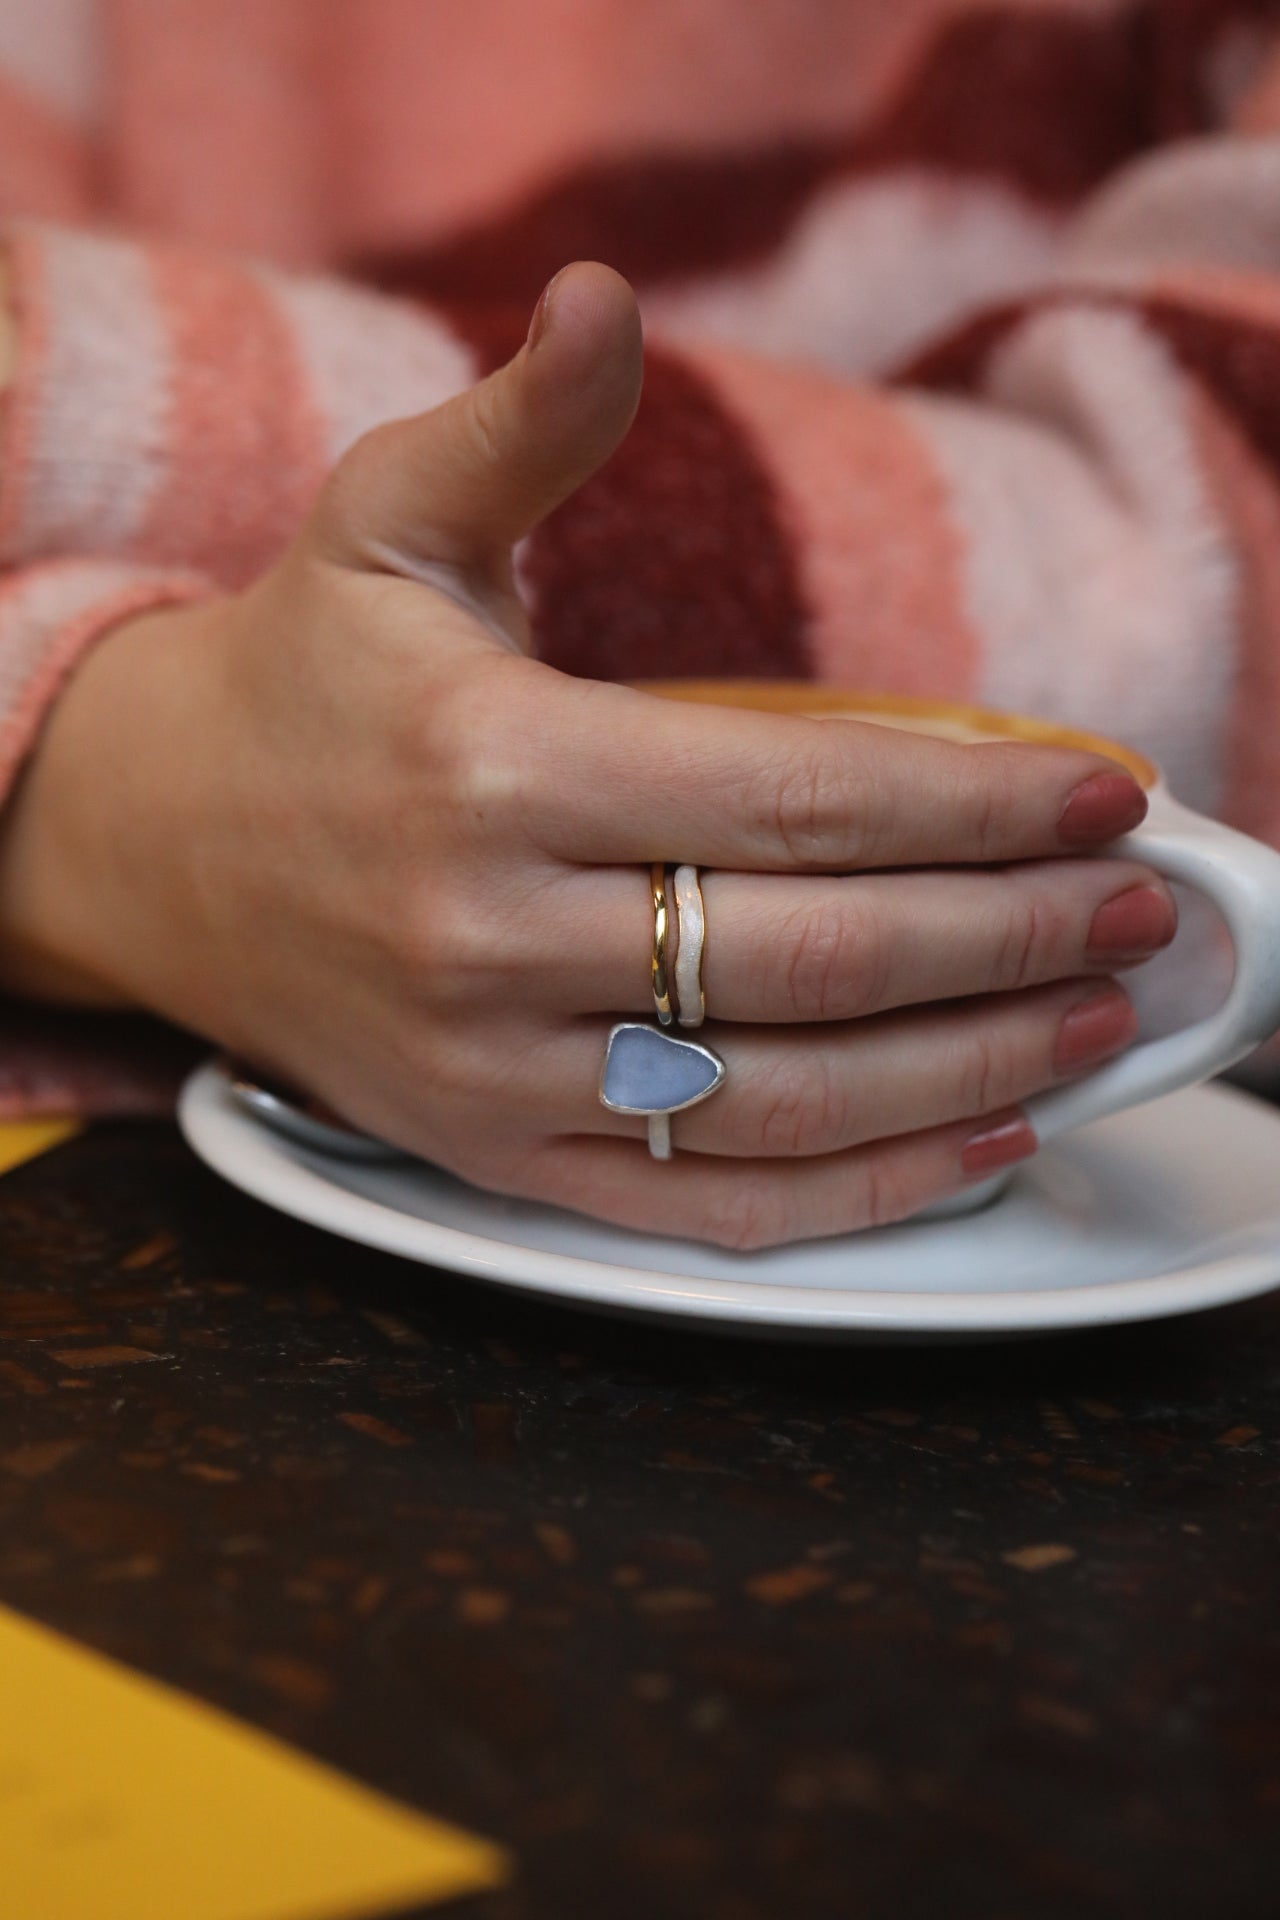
{"x":698,"y":1627}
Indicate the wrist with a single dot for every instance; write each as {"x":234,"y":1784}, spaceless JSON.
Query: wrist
{"x":93,"y":811}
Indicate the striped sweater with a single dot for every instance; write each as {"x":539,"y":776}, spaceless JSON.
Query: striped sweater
{"x":963,"y":320}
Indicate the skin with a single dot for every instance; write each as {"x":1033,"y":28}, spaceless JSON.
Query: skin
{"x":8,"y":332}
{"x":343,"y":825}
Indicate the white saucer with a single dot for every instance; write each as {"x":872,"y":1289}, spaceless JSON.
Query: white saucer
{"x":1165,"y":1209}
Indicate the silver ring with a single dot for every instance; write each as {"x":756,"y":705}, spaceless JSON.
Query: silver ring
{"x":656,"y":1074}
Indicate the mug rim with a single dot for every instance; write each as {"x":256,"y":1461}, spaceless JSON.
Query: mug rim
{"x":810,"y":697}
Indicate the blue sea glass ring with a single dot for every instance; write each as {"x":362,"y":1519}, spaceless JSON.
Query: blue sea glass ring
{"x":656,"y":1074}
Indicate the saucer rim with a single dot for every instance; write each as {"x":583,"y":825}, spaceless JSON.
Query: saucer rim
{"x":247,"y":1154}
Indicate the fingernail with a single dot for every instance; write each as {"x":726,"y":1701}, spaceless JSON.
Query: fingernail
{"x":1133,"y":924}
{"x":998,"y":1144}
{"x":541,"y":313}
{"x":1094,"y":1030}
{"x":1102,"y":808}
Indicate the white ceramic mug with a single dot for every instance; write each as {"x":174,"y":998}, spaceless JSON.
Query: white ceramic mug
{"x":1239,"y":876}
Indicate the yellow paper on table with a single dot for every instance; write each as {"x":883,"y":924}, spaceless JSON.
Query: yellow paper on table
{"x":23,"y":1139}
{"x":121,"y":1799}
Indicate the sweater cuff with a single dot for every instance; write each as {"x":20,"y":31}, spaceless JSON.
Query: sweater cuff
{"x":182,"y":408}
{"x":49,"y":616}
{"x":57,"y":1061}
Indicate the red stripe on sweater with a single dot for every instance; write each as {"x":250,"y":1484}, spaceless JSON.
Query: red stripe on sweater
{"x":1049,"y":103}
{"x":673,"y":560}
{"x":46,"y":167}
{"x":1235,"y":358}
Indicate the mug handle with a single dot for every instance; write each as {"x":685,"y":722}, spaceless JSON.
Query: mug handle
{"x":1242,"y":879}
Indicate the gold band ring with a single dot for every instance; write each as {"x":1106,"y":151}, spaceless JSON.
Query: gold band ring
{"x":658,"y":967}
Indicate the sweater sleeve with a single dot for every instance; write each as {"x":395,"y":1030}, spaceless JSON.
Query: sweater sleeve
{"x":170,"y":418}
{"x":180,"y":408}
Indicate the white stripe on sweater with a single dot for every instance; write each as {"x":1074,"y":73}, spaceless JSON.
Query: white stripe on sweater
{"x":97,"y":456}
{"x":1098,"y":575}
{"x":368,"y":359}
{"x":871,"y":270}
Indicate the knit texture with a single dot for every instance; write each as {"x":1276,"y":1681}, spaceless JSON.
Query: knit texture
{"x":964,"y":332}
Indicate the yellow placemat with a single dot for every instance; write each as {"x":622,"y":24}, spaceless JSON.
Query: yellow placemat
{"x":121,"y":1799}
{"x":23,"y":1139}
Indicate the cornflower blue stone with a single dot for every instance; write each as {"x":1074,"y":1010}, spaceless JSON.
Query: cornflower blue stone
{"x":648,"y":1071}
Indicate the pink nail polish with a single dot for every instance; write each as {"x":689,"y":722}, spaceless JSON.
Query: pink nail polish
{"x":999,"y":1143}
{"x":1094,"y":1030}
{"x":1102,"y":808}
{"x":1133,"y":924}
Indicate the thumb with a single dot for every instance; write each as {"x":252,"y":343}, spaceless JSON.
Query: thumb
{"x":460,"y":485}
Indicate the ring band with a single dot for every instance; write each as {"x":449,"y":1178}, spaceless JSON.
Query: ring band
{"x":658,"y":965}
{"x":647,"y":1071}
{"x":692,"y":932}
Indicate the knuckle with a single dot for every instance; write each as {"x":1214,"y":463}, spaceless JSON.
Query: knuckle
{"x":809,"y":803}
{"x":438,"y":1065}
{"x":800,"y":1112}
{"x":497,"y":1165}
{"x":993,"y":801}
{"x":446,"y":949}
{"x":471,"y":1093}
{"x":1036,"y":941}
{"x":485,"y":418}
{"x":890,"y":1189}
{"x":1020,"y":947}
{"x":986,"y":815}
{"x":474,"y":765}
{"x":834,"y":968}
{"x":742,"y":1217}
{"x":987,"y":1073}
{"x":434,"y":953}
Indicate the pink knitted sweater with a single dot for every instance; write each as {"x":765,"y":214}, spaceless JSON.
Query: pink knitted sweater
{"x":964,"y":321}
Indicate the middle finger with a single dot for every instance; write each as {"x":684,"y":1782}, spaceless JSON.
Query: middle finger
{"x":783,"y":948}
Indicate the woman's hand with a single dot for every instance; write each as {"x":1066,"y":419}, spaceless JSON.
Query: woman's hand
{"x":343,"y":826}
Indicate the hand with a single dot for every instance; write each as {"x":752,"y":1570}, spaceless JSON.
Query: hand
{"x":343,"y":826}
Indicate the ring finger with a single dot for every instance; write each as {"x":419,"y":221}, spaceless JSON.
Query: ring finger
{"x":792,"y":1092}
{"x":802,"y":948}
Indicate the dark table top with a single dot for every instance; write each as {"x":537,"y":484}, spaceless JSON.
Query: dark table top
{"x":698,"y":1627}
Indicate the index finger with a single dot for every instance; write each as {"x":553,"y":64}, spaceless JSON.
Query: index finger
{"x":616,"y":775}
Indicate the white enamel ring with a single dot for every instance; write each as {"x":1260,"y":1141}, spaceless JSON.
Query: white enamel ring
{"x":691,"y":934}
